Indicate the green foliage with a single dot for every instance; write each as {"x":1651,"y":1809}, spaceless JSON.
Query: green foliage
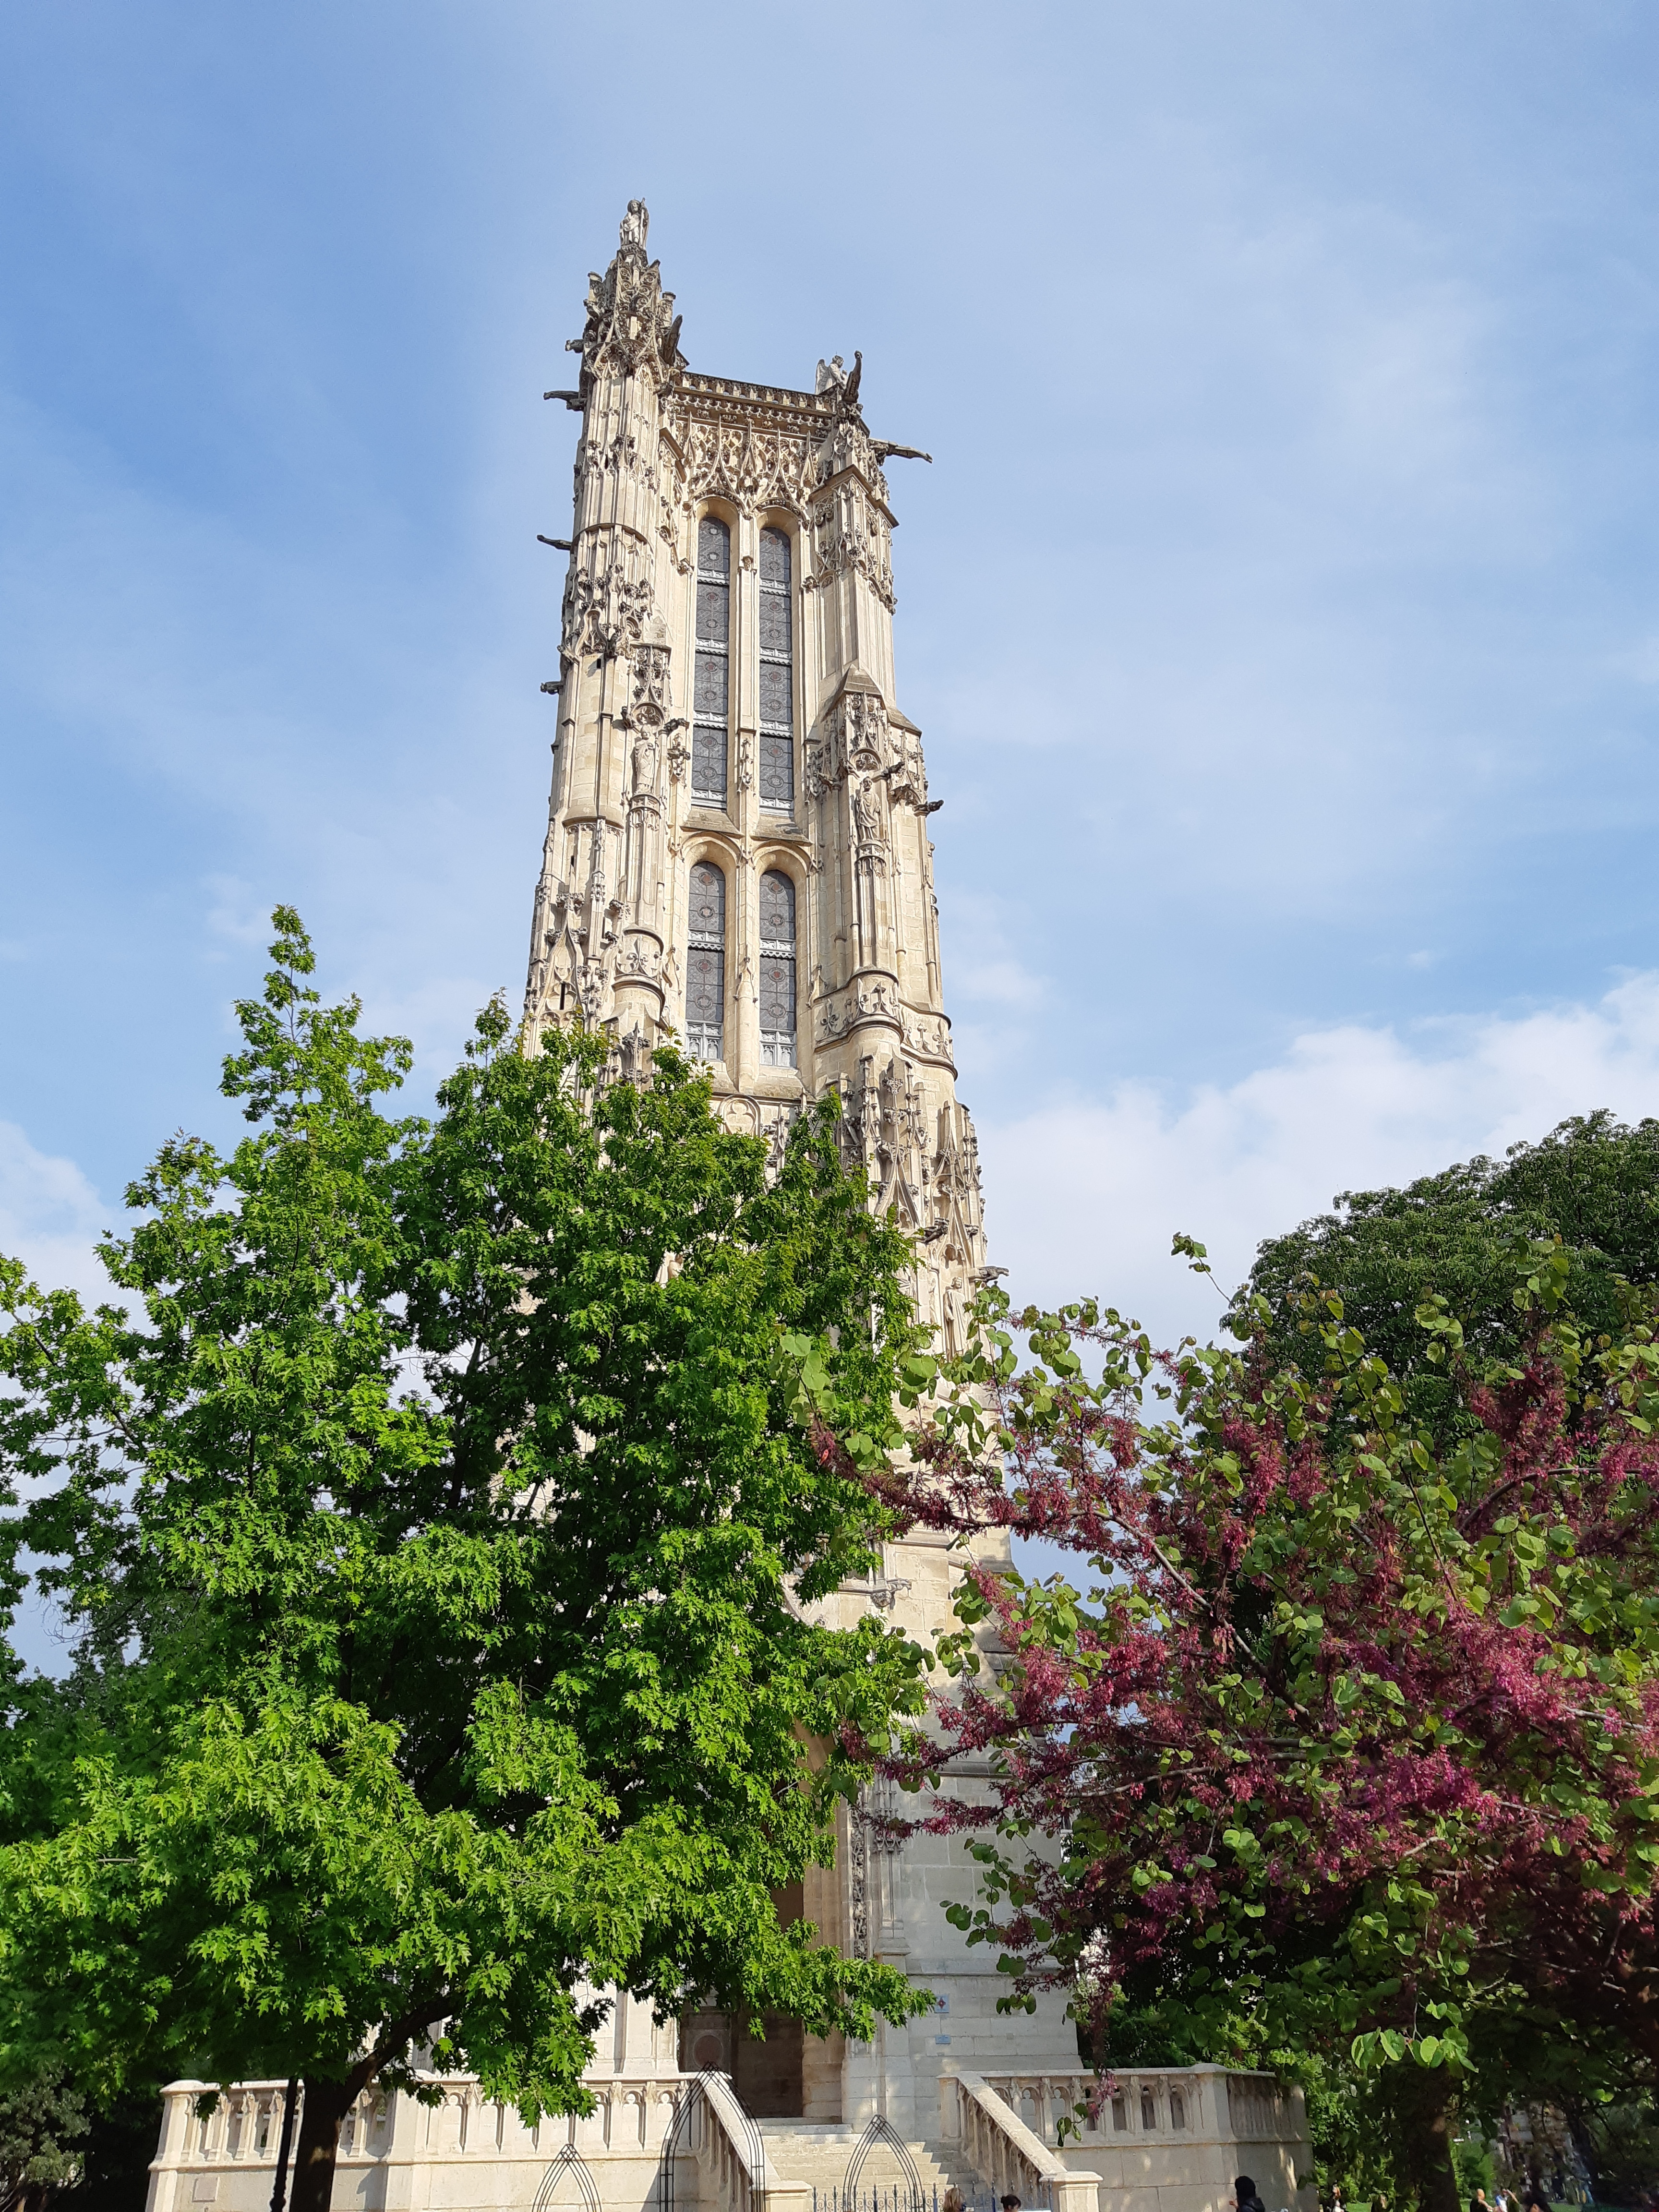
{"x":1357,"y":2137}
{"x":43,"y":2125}
{"x":433,"y":1512}
{"x":1348,"y":1764}
{"x":1623,"y":2141}
{"x":1593,"y":1182}
{"x":1472,"y":2163}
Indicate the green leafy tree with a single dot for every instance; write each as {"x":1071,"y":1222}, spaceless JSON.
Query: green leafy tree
{"x":1351,"y":1753}
{"x":1593,"y":1181}
{"x":1623,"y":2143}
{"x":43,"y":2126}
{"x":435,"y":1512}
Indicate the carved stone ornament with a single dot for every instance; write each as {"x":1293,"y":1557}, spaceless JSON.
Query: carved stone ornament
{"x":829,"y":753}
{"x":642,"y":959}
{"x":648,"y":706}
{"x":928,"y":1034}
{"x":619,"y":455}
{"x":632,"y":329}
{"x":869,"y":816}
{"x":745,"y":760}
{"x":849,"y":534}
{"x":867,"y":1001}
{"x":749,"y":464}
{"x":590,"y":989}
{"x":633,"y":1061}
{"x":848,"y":446}
{"x":605,"y":611}
{"x":858,"y":1886}
{"x":861,"y":722}
{"x":646,"y":751}
{"x":907,"y":783}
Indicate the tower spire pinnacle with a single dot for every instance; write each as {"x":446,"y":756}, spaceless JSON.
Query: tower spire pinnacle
{"x":631,"y":328}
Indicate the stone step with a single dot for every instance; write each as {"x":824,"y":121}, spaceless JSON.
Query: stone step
{"x":821,"y":2152}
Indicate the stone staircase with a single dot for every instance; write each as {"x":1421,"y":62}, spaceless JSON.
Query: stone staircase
{"x":816,"y":2155}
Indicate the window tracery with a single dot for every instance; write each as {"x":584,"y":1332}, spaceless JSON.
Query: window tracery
{"x":777,"y":969}
{"x":777,"y":676}
{"x":705,"y":965}
{"x":711,"y":686}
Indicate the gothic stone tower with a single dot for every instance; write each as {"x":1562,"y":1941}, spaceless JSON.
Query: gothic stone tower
{"x":737,"y":851}
{"x":737,"y":845}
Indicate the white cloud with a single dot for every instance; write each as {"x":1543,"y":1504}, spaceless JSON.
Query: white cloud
{"x":239,"y":915}
{"x":1084,"y":1197}
{"x":51,"y":1217}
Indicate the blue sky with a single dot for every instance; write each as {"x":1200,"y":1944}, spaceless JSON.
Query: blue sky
{"x":1281,"y":609}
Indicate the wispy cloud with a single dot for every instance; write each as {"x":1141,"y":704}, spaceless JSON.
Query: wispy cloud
{"x":237,"y":917}
{"x":1085,"y":1196}
{"x":51,"y":1216}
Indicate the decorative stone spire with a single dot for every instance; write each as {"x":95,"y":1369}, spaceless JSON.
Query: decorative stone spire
{"x":632,"y":329}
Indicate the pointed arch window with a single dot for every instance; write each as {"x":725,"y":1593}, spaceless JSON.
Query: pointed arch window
{"x":777,"y":677}
{"x":705,"y":964}
{"x":777,"y":969}
{"x":711,"y":686}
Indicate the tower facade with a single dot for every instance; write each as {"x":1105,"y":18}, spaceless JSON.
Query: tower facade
{"x":737,"y":846}
{"x":738,"y":854}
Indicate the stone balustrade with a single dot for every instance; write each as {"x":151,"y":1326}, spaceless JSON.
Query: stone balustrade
{"x":462,"y":2150}
{"x":1161,"y":2139}
{"x":734,"y":2174}
{"x":1006,"y":2154}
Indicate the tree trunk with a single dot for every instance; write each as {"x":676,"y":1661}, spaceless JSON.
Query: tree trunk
{"x":285,"y":2147}
{"x":1424,"y":2107}
{"x":324,"y":2105}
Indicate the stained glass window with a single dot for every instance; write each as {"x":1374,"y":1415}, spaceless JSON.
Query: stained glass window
{"x":705,"y":965}
{"x":777,"y":677}
{"x":711,"y":685}
{"x":777,"y":970}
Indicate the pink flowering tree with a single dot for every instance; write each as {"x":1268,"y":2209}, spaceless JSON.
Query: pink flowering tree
{"x":1342,"y":1750}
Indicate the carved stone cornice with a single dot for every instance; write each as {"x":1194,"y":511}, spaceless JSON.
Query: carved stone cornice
{"x":762,"y":445}
{"x":753,"y":465}
{"x":723,"y":399}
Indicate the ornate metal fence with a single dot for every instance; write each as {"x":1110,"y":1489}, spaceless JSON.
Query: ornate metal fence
{"x":897,"y":2196}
